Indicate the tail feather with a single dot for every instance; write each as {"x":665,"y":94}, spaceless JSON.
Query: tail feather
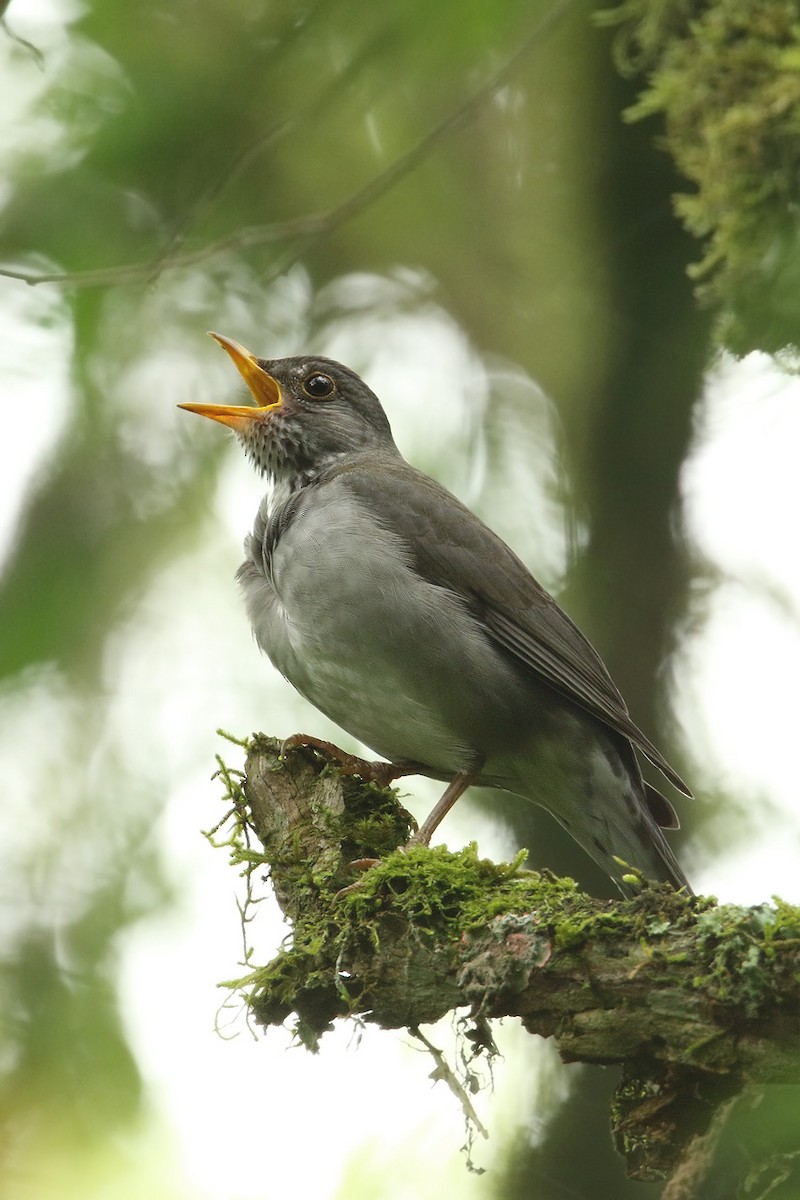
{"x":635,"y":843}
{"x":660,"y":809}
{"x":654,"y":858}
{"x":590,"y":781}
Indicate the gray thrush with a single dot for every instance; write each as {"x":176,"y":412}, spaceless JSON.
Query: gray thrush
{"x":407,"y":621}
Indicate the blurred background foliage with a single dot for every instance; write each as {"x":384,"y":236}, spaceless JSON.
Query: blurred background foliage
{"x":446,"y":195}
{"x":726,"y":78}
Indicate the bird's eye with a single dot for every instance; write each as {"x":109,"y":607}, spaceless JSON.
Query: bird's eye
{"x":318,"y":386}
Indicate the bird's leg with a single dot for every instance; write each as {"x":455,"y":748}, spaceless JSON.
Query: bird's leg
{"x":457,"y":786}
{"x":381,"y":773}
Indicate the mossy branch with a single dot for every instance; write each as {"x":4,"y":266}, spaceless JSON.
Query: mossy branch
{"x":694,"y":999}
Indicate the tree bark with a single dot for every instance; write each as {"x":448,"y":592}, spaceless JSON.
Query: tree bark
{"x":695,"y":1000}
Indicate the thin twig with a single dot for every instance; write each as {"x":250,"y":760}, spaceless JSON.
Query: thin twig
{"x":311,"y":228}
{"x":445,"y":1072}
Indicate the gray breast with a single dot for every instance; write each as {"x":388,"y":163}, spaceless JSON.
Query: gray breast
{"x":400,"y":663}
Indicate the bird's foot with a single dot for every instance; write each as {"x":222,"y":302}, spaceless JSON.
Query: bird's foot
{"x":380,"y":773}
{"x":358,"y":864}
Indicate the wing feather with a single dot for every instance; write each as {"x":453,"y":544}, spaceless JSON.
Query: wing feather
{"x":456,"y":550}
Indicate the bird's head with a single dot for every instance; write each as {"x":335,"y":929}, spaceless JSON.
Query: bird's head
{"x":308,"y":413}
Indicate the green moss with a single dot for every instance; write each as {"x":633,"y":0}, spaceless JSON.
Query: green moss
{"x":374,"y":822}
{"x":438,"y":891}
{"x":737,"y":951}
{"x":439,"y":896}
{"x":422,"y":896}
{"x":725,"y":78}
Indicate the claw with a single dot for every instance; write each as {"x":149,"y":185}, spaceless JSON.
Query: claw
{"x":381,"y":773}
{"x":360,"y":864}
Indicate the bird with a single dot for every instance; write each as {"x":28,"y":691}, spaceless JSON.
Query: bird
{"x":400,"y":615}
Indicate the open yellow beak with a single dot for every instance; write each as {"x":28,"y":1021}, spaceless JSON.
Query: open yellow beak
{"x":266,"y":390}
